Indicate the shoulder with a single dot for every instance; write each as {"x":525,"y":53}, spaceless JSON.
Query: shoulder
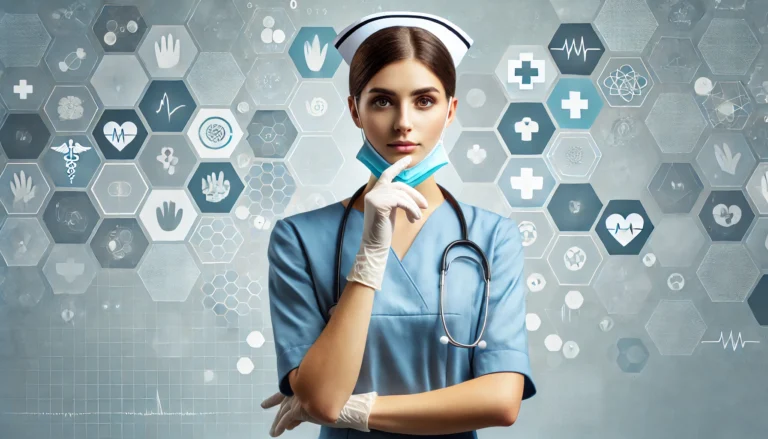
{"x":311,"y":225}
{"x":494,"y":226}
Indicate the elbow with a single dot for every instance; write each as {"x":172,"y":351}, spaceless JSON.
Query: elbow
{"x":509,"y":414}
{"x":322,"y":411}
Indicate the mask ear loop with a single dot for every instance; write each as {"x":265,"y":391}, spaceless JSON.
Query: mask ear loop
{"x":445,"y":122}
{"x":357,"y":110}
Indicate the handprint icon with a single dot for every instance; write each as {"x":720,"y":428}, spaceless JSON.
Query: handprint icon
{"x":168,"y":217}
{"x":313,"y":55}
{"x":215,"y":189}
{"x":22,"y":188}
{"x":167,"y":53}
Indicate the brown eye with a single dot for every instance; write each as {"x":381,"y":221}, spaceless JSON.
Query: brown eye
{"x":429,"y":101}
{"x":379,"y":99}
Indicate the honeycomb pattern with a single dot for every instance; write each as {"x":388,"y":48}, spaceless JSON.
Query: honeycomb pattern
{"x":229,"y":294}
{"x":216,"y":240}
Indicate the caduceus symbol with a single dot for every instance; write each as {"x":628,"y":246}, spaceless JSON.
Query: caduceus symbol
{"x":71,"y":153}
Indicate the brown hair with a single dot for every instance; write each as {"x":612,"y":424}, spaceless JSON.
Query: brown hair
{"x":397,"y":43}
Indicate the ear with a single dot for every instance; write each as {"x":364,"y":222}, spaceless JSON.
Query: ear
{"x":353,"y":111}
{"x":452,"y":111}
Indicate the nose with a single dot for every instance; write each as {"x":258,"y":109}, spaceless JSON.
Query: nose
{"x":403,"y":122}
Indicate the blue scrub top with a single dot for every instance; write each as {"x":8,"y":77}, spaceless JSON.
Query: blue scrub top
{"x":403,"y":353}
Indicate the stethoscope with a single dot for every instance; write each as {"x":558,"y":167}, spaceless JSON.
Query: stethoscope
{"x":444,"y":266}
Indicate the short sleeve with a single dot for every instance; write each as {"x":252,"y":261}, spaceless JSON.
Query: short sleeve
{"x":294,"y":308}
{"x":505,"y":333}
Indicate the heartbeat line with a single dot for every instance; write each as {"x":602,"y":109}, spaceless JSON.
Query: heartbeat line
{"x":167,"y":103}
{"x":578,"y":50}
{"x":142,"y":414}
{"x":735,"y":343}
{"x":631,"y":229}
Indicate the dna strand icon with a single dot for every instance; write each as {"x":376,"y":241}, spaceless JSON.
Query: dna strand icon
{"x":71,"y":153}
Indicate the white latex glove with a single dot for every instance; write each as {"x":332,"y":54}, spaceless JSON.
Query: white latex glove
{"x":381,"y":204}
{"x":354,"y":414}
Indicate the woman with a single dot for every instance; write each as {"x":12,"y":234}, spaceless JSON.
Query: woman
{"x":378,"y":364}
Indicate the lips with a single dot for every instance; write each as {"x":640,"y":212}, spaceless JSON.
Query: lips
{"x":401,"y":144}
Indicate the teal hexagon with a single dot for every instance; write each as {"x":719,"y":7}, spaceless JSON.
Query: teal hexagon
{"x":575,"y":103}
{"x":313,"y":53}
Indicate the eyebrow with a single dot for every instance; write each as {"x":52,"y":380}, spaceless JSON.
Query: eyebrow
{"x":413,"y":93}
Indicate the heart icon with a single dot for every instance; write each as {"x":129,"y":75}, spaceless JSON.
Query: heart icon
{"x":120,"y":135}
{"x":727,"y":216}
{"x":624,"y":230}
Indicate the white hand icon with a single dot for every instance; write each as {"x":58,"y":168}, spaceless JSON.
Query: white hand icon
{"x":167,"y":53}
{"x":313,"y":56}
{"x":22,"y":188}
{"x":726,"y":159}
{"x":215,"y":190}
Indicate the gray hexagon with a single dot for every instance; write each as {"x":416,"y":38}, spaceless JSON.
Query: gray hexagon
{"x":676,"y":327}
{"x":25,"y":88}
{"x":727,"y":105}
{"x":271,"y":81}
{"x":625,"y":82}
{"x":70,"y":268}
{"x":215,"y":24}
{"x":483,"y":100}
{"x":623,"y":285}
{"x":758,"y":79}
{"x":168,"y":11}
{"x":757,"y":132}
{"x":119,"y":189}
{"x":536,"y":230}
{"x":71,"y":108}
{"x":23,"y":241}
{"x":167,"y":160}
{"x":628,"y":157}
{"x":24,"y":287}
{"x":727,"y":272}
{"x":527,"y":73}
{"x":268,"y":189}
{"x":216,"y":240}
{"x":675,"y":122}
{"x":316,"y":160}
{"x":316,"y":106}
{"x":478,"y":156}
{"x":675,"y":187}
{"x":674,"y":60}
{"x":167,"y":51}
{"x":729,"y":46}
{"x":757,"y":188}
{"x":215,"y":78}
{"x":676,"y":241}
{"x":569,"y":11}
{"x":271,"y":134}
{"x":23,"y":40}
{"x":726,"y":160}
{"x":169,"y":272}
{"x":119,"y":243}
{"x":574,"y":155}
{"x":23,"y":189}
{"x":574,"y":259}
{"x":756,"y":242}
{"x":66,"y":19}
{"x":71,"y":58}
{"x":626,"y":25}
{"x":119,"y":80}
{"x":270,"y":30}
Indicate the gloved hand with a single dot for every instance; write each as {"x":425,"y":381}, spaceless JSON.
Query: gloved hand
{"x":381,"y":204}
{"x":354,"y":414}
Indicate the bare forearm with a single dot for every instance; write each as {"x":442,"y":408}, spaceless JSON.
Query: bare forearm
{"x":330,"y":369}
{"x":467,"y":406}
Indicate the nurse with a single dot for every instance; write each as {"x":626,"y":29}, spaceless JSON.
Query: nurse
{"x":377,"y":363}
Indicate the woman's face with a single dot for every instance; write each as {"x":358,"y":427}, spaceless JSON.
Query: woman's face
{"x":406,"y":102}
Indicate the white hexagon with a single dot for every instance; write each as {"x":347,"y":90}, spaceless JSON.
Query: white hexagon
{"x":527,"y":73}
{"x":119,"y":189}
{"x":168,"y":215}
{"x":255,"y":339}
{"x":574,"y":155}
{"x":169,"y":272}
{"x":317,"y":106}
{"x":215,"y":133}
{"x":119,"y":80}
{"x":215,"y":78}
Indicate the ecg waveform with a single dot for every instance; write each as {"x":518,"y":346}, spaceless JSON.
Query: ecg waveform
{"x":165,"y":102}
{"x":739,"y":342}
{"x":150,"y":413}
{"x":581,"y":49}
{"x":631,"y":229}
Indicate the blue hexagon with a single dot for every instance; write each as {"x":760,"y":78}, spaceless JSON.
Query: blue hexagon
{"x":676,"y":187}
{"x":576,"y":48}
{"x":526,"y":182}
{"x":726,"y":215}
{"x":215,"y":187}
{"x":119,"y":243}
{"x":633,"y":355}
{"x":624,"y":227}
{"x":758,"y":301}
{"x":526,"y":128}
{"x":575,"y":103}
{"x":70,"y":217}
{"x":167,"y":106}
{"x":119,"y":28}
{"x":574,"y":207}
{"x":313,"y":53}
{"x":24,"y":136}
{"x":71,"y":161}
{"x":120,"y":134}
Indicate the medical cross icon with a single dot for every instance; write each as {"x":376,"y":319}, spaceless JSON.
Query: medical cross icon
{"x":23,"y":89}
{"x":575,"y":104}
{"x":526,"y":183}
{"x":525,"y":71}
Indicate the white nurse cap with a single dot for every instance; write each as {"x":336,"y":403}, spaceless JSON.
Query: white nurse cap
{"x":455,"y":39}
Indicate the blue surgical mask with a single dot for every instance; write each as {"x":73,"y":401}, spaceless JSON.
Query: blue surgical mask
{"x":413,"y":176}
